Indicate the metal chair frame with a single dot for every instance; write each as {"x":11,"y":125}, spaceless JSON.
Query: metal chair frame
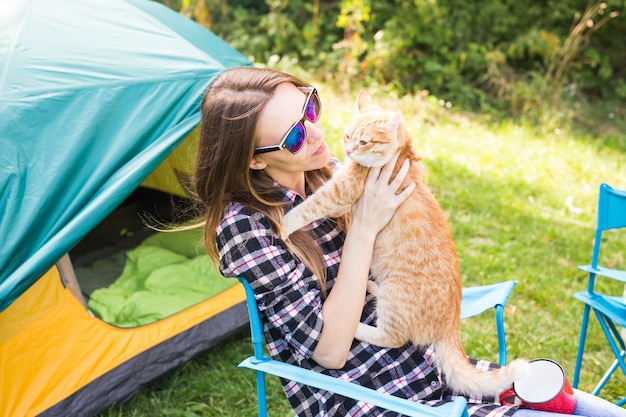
{"x":475,"y":301}
{"x":609,"y":310}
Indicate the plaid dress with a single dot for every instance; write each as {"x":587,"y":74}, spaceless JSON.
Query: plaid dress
{"x":289,"y":297}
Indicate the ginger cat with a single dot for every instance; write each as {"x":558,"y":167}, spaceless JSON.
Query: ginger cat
{"x":415,"y":264}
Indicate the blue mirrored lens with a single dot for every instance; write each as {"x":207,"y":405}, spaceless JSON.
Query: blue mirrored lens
{"x":312,"y":111}
{"x":295,"y":138}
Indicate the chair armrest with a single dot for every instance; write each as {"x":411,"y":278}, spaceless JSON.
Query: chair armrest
{"x":458,"y":407}
{"x":615,"y":274}
{"x":478,"y":299}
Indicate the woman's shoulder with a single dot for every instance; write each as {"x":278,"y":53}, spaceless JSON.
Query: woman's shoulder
{"x":242,"y":218}
{"x":237,"y":209}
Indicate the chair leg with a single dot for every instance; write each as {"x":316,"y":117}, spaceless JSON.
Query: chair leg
{"x":501,"y":334}
{"x":612,"y":334}
{"x":581,"y":346}
{"x":616,"y":334}
{"x":606,"y":377}
{"x":261,"y":393}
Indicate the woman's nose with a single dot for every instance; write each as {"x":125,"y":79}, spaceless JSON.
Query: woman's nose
{"x":313,"y":130}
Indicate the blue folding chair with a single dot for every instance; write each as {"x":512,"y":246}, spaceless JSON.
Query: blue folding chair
{"x":475,"y":301}
{"x":482,"y":298}
{"x":610,"y":310}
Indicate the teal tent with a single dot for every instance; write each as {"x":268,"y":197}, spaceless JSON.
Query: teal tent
{"x":94,"y":95}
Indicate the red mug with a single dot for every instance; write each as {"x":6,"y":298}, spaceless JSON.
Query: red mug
{"x":545,"y":388}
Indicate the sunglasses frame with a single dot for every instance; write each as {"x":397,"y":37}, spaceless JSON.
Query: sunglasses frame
{"x":303,"y":117}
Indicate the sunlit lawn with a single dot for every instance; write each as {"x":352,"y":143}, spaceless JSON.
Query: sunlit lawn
{"x":522,"y":203}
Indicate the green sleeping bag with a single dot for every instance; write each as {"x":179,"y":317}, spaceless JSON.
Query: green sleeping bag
{"x":166,"y":273}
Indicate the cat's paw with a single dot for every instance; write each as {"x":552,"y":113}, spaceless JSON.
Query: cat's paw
{"x":372,"y":287}
{"x":282,"y":232}
{"x":286,"y":227}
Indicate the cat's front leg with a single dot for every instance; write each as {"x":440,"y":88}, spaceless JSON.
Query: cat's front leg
{"x":340,"y":211}
{"x":300,"y":217}
{"x":333,"y":198}
{"x":323,"y":203}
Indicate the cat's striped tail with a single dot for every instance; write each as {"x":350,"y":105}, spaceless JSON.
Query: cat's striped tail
{"x":466,"y":379}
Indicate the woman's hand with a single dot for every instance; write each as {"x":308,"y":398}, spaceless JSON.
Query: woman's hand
{"x":381,"y":198}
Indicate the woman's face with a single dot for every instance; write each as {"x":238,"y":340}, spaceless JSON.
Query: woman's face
{"x":279,"y":114}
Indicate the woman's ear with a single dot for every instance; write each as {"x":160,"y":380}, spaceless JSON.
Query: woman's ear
{"x":257,"y":164}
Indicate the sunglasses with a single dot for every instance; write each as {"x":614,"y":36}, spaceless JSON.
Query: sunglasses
{"x":295,"y":137}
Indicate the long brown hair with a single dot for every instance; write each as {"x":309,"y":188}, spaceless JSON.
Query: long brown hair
{"x":230,"y":110}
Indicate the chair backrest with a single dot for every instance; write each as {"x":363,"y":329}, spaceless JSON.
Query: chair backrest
{"x":256,"y":327}
{"x":611,"y":215}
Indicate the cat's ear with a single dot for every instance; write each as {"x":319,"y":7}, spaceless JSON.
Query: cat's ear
{"x":393,"y":124}
{"x":362,"y":100}
{"x":257,"y":164}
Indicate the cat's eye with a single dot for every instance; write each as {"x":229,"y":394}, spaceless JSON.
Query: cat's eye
{"x":362,"y":142}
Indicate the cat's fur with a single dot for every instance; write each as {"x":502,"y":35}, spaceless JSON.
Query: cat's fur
{"x":415,"y":263}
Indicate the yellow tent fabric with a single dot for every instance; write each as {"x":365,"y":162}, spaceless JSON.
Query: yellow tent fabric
{"x":43,"y":330}
{"x":173,"y":175}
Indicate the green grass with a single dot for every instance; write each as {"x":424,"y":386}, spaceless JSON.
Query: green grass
{"x":522,"y":203}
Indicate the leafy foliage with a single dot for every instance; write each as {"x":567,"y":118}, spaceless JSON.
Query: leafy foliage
{"x":503,"y":54}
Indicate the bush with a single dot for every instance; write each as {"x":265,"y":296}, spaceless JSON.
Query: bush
{"x":500,"y":53}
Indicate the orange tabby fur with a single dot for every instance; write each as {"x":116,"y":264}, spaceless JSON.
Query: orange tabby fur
{"x":415,"y":263}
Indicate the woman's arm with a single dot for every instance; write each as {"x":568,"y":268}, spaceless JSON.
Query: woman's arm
{"x":343,"y":308}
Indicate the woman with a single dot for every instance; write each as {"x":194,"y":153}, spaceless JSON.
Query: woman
{"x":261,"y":152}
